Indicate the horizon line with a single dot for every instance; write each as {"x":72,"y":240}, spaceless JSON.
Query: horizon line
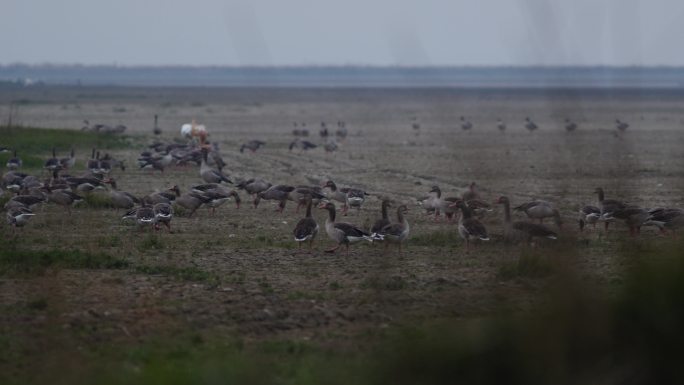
{"x":341,"y":66}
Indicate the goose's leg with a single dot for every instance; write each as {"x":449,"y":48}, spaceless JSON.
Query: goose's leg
{"x":333,"y":249}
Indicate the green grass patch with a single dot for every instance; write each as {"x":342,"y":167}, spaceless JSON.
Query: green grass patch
{"x":384,"y":283}
{"x":18,"y":261}
{"x":436,"y":239}
{"x":151,"y":242}
{"x":4,"y":199}
{"x":575,"y":337}
{"x":34,"y":145}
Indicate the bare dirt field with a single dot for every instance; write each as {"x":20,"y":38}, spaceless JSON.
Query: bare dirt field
{"x":237,"y":276}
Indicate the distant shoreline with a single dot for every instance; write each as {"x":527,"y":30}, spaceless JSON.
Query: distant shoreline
{"x":344,"y":76}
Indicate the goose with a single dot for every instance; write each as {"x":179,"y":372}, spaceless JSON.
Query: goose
{"x":28,"y":201}
{"x":108,"y":162}
{"x":633,"y":216}
{"x":68,"y":162}
{"x":156,"y":162}
{"x":52,"y":163}
{"x":307,"y":228}
{"x":469,"y":228}
{"x":396,"y":232}
{"x":14,"y":162}
{"x":63,"y":198}
{"x":93,"y":164}
{"x":355,"y":198}
{"x":85,"y":184}
{"x":621,"y":126}
{"x":465,"y":124}
{"x":500,"y":125}
{"x":219,"y":196}
{"x":607,"y":206}
{"x":103,"y":167}
{"x":430,"y":202}
{"x":253,"y":186}
{"x":519,"y":229}
{"x":530,"y":125}
{"x":210,"y":175}
{"x":300,"y":132}
{"x":278,"y":193}
{"x":415,"y":126}
{"x":202,"y":188}
{"x":323,"y":132}
{"x":588,"y":215}
{"x":336,"y":194}
{"x":215,"y":158}
{"x":302,"y":145}
{"x":340,"y":232}
{"x":18,"y":216}
{"x":471,"y":193}
{"x":4,"y":149}
{"x":156,"y":130}
{"x":252,"y":145}
{"x":666,"y":219}
{"x":301,"y":195}
{"x":13,"y":180}
{"x":382,"y":222}
{"x":570,"y":125}
{"x":191,"y":202}
{"x":479,"y":207}
{"x":121,"y":199}
{"x":441,"y":205}
{"x":341,"y":130}
{"x":330,"y":146}
{"x":167,"y":196}
{"x":163,"y":213}
{"x":145,"y":216}
{"x":539,"y":209}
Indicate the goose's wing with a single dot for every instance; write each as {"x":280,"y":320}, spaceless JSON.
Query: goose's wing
{"x":475,"y":228}
{"x":305,"y":228}
{"x":350,"y":230}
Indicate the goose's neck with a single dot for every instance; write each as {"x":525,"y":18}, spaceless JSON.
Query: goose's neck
{"x":384,"y":211}
{"x":507,"y":212}
{"x":308,"y":209}
{"x":331,"y":215}
{"x":466,"y":212}
{"x":600,"y":196}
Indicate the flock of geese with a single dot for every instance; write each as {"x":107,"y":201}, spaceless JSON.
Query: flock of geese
{"x":157,"y":209}
{"x":569,"y":124}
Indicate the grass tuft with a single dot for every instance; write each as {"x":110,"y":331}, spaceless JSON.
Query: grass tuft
{"x":151,"y":242}
{"x":530,"y":264}
{"x":436,"y":239}
{"x":18,"y":261}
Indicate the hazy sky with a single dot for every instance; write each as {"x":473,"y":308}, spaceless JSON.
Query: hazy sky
{"x":377,"y":32}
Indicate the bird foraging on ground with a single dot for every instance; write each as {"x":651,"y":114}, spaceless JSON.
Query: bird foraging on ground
{"x":469,"y":228}
{"x":341,"y":232}
{"x":307,"y":227}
